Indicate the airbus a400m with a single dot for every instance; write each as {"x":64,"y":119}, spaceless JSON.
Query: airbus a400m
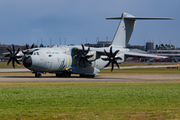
{"x":85,"y":61}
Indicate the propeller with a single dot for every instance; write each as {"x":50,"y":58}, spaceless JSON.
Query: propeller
{"x":83,"y":57}
{"x":111,"y":58}
{"x":27,"y":47}
{"x":13,"y":56}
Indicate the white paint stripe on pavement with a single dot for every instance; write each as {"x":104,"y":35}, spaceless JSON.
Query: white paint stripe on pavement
{"x":14,"y":70}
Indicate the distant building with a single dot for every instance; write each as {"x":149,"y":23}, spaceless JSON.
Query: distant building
{"x":100,"y":44}
{"x":149,"y":46}
{"x":108,"y":43}
{"x":170,"y":53}
{"x":136,"y":47}
{"x":104,"y":43}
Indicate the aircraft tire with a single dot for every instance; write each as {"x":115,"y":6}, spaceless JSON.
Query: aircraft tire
{"x":86,"y":76}
{"x":90,"y":76}
{"x":69,"y":75}
{"x":81,"y":75}
{"x":63,"y":75}
{"x":38,"y":75}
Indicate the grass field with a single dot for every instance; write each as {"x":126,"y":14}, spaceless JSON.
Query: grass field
{"x":4,"y":65}
{"x":90,"y":100}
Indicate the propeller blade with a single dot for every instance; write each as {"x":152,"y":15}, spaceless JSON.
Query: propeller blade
{"x":27,"y":47}
{"x":116,"y":58}
{"x":9,"y":50}
{"x":115,"y":53}
{"x":89,"y":62}
{"x":105,"y":59}
{"x":32,"y":46}
{"x":17,"y":51}
{"x":13,"y":48}
{"x":107,"y":54}
{"x":112,"y":66}
{"x":13,"y":63}
{"x":87,"y":51}
{"x":17,"y":61}
{"x":111,"y":50}
{"x":107,"y":64}
{"x":24,"y":52}
{"x":9,"y":61}
{"x":18,"y":56}
{"x":84,"y":63}
{"x":75,"y":56}
{"x":82,"y":48}
{"x":88,"y":56}
{"x":79,"y":61}
{"x":8,"y":55}
{"x":117,"y":64}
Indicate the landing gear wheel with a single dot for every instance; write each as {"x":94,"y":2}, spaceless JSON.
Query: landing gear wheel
{"x":63,"y":74}
{"x":38,"y":74}
{"x":92,"y":76}
{"x":86,"y":76}
{"x":81,"y":75}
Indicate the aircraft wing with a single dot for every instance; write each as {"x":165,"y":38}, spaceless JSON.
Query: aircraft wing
{"x":134,"y":54}
{"x":100,"y":52}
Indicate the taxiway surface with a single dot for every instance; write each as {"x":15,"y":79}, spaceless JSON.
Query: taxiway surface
{"x":97,"y":78}
{"x":125,"y":67}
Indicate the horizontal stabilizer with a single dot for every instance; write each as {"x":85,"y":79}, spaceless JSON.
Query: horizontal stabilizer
{"x":138,"y":18}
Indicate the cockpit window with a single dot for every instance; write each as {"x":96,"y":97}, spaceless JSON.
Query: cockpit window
{"x":37,"y":53}
{"x":31,"y":52}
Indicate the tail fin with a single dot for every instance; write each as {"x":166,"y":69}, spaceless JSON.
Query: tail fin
{"x":126,"y":27}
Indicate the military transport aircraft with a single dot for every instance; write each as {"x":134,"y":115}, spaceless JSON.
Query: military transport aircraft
{"x":85,"y":61}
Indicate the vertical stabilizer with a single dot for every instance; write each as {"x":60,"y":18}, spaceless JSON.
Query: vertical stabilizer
{"x":126,"y":27}
{"x":124,"y":30}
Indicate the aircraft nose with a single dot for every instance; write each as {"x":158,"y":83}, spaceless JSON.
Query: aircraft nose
{"x":27,"y":61}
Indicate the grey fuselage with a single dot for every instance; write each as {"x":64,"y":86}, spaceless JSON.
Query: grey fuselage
{"x":60,"y":59}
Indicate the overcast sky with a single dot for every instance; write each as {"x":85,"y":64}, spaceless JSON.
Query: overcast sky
{"x":25,"y":21}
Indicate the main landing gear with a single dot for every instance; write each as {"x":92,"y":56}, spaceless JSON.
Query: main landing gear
{"x":86,"y":76}
{"x":63,"y":74}
{"x":37,"y":74}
